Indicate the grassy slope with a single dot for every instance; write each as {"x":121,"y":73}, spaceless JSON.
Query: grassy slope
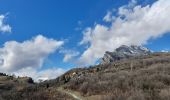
{"x":142,"y":78}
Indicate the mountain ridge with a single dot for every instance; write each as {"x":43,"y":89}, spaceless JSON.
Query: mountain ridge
{"x":124,"y":52}
{"x":144,"y":77}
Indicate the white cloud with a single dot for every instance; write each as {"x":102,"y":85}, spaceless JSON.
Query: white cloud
{"x":26,"y":58}
{"x":46,"y":74}
{"x":132,"y":3}
{"x":4,"y":27}
{"x":132,"y":26}
{"x":31,"y":53}
{"x":69,"y":55}
{"x":166,"y":50}
{"x":108,"y":17}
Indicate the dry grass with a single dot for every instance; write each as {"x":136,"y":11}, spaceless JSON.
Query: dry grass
{"x":142,"y":78}
{"x":149,"y":79}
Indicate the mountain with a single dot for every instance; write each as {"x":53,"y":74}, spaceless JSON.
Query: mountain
{"x":24,"y":88}
{"x":11,"y":84}
{"x":125,"y":52}
{"x":139,"y":78}
{"x":145,"y":77}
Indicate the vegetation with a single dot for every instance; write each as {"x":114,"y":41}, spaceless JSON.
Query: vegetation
{"x":144,"y":78}
{"x":140,"y":78}
{"x":23,"y":88}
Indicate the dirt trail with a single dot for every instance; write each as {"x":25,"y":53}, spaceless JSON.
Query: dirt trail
{"x":76,"y":96}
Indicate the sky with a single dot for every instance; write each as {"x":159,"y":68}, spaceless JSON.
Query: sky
{"x":45,"y":38}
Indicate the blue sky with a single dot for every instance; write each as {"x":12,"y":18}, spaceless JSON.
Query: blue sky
{"x":66,"y":20}
{"x":56,"y":19}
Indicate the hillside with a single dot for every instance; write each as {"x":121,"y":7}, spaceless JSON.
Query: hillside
{"x":125,"y":52}
{"x":138,"y":78}
{"x":23,"y":88}
{"x":11,"y":84}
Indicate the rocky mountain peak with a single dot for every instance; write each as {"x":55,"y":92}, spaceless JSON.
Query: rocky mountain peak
{"x":124,"y":52}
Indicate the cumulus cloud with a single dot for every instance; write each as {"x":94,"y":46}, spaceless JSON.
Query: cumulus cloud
{"x":133,"y":25}
{"x":69,"y":55}
{"x":46,"y":74}
{"x":30,"y":54}
{"x":132,"y":3}
{"x":108,"y":17}
{"x":4,"y":27}
{"x":24,"y":59}
{"x":166,"y":50}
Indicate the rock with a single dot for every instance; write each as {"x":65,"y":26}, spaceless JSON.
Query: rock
{"x":124,"y":52}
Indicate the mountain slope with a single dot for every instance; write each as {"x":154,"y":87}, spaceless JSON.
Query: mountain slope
{"x":23,"y":88}
{"x":137,"y":78}
{"x":124,"y":52}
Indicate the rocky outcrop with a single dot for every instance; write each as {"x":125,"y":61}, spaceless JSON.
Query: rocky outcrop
{"x":124,"y":52}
